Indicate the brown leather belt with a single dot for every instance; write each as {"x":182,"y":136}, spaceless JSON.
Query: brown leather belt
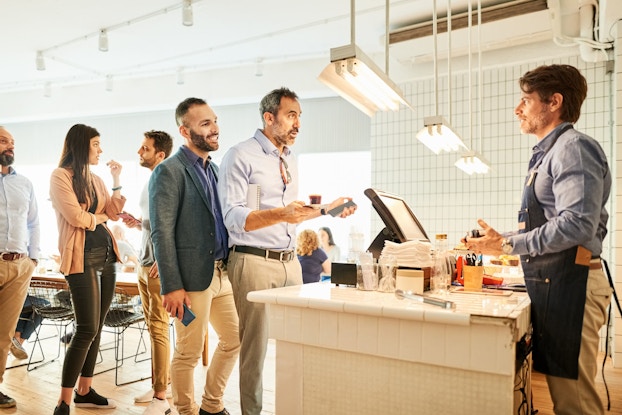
{"x":12,"y":256}
{"x":283,"y":256}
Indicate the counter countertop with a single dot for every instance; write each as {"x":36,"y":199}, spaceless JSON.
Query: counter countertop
{"x":470,"y":307}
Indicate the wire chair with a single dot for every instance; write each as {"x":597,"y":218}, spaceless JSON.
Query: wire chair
{"x":50,"y":300}
{"x":124,"y":314}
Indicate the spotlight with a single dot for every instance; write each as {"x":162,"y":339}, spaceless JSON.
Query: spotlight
{"x":40,"y":61}
{"x":259,"y":68}
{"x":103,"y":40}
{"x":186,"y":13}
{"x":180,"y":76}
{"x":109,"y":83}
{"x":47,"y":89}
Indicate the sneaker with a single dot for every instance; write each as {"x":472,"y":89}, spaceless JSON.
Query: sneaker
{"x":148,"y":396}
{"x":66,"y":338}
{"x":18,"y":350}
{"x":62,"y":409}
{"x":160,"y":407}
{"x":6,"y":401}
{"x":92,"y":400}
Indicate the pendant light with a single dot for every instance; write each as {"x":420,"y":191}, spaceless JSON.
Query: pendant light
{"x":437,"y":133}
{"x":472,"y":161}
{"x":356,"y":77}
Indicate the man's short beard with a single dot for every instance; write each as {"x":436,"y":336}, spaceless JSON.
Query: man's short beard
{"x":6,"y":160}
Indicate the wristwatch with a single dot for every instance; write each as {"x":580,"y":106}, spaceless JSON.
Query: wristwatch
{"x":506,"y":246}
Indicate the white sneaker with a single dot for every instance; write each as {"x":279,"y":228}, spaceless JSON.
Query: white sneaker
{"x":18,"y":350}
{"x":148,"y":396}
{"x":160,"y":407}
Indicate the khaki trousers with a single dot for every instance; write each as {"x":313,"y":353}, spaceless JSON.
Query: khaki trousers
{"x":579,"y":397}
{"x":14,"y":282}
{"x":251,"y":273}
{"x":157,"y":320}
{"x":215,"y":306}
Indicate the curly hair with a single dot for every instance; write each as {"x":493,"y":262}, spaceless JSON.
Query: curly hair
{"x":307,"y":242}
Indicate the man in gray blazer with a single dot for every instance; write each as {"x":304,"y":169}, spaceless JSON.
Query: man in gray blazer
{"x":191,"y":247}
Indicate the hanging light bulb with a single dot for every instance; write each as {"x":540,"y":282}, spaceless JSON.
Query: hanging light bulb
{"x":103,"y":40}
{"x":186,"y":13}
{"x":40,"y":61}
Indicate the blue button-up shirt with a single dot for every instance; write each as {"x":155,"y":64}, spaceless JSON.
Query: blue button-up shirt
{"x":572,"y":186}
{"x":209,"y":181}
{"x":256,"y":161}
{"x":19,"y":216}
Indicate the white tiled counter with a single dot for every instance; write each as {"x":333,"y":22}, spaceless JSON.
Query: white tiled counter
{"x":344,"y":351}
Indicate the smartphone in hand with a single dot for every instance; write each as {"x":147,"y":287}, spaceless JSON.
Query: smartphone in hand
{"x":125,"y":215}
{"x":337,"y":211}
{"x":188,"y":316}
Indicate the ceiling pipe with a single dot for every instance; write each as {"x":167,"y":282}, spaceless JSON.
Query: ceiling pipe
{"x":590,"y":49}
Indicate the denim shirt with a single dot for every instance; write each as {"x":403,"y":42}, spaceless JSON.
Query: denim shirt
{"x":572,"y":186}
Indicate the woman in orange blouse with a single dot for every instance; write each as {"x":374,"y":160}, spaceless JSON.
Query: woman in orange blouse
{"x":88,"y":253}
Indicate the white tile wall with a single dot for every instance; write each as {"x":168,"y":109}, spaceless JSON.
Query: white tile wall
{"x":447,"y":200}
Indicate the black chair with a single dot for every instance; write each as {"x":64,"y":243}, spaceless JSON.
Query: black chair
{"x":124,"y":313}
{"x":50,"y":300}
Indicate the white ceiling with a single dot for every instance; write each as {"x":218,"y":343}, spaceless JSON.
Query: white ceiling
{"x":219,"y":54}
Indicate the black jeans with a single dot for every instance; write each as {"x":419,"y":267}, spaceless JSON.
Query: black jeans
{"x":91,"y":294}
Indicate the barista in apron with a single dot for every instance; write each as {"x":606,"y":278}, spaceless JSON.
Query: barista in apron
{"x":562,"y":223}
{"x":556,"y":284}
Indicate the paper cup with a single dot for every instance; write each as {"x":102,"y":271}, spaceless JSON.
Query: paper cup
{"x":473,"y":277}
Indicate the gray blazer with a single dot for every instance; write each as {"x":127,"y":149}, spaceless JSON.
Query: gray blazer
{"x":182,"y":225}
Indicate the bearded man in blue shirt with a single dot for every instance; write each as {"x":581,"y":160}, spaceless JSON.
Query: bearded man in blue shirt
{"x":19,"y":247}
{"x":561,"y":226}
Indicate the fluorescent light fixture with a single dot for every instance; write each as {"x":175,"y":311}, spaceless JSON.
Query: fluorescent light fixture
{"x":186,"y":13}
{"x":356,"y":77}
{"x":40,"y":61}
{"x":103,"y":40}
{"x":473,"y":162}
{"x":438,"y":135}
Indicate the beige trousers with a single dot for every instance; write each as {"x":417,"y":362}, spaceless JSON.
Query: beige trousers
{"x":579,"y":397}
{"x":251,"y":273}
{"x":14,"y":282}
{"x":157,"y":320}
{"x":215,"y":306}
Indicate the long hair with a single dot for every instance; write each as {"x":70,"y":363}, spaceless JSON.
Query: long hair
{"x":75,"y":156}
{"x":307,"y":242}
{"x":331,"y":241}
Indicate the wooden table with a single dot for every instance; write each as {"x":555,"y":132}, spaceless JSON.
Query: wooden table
{"x":127,"y":281}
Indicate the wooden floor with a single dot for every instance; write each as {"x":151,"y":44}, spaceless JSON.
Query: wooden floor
{"x":613,"y":377}
{"x":36,"y":392}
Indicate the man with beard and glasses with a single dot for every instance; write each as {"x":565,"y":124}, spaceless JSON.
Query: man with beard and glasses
{"x":561,"y":227}
{"x":19,"y":248}
{"x":155,"y":148}
{"x":191,"y":245}
{"x":262,"y":241}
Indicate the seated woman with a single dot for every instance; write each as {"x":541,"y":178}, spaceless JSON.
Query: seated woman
{"x":327,"y":243}
{"x":313,"y":260}
{"x":26,"y":325}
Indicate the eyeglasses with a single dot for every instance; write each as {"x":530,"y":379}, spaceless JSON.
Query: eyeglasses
{"x":287,"y":178}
